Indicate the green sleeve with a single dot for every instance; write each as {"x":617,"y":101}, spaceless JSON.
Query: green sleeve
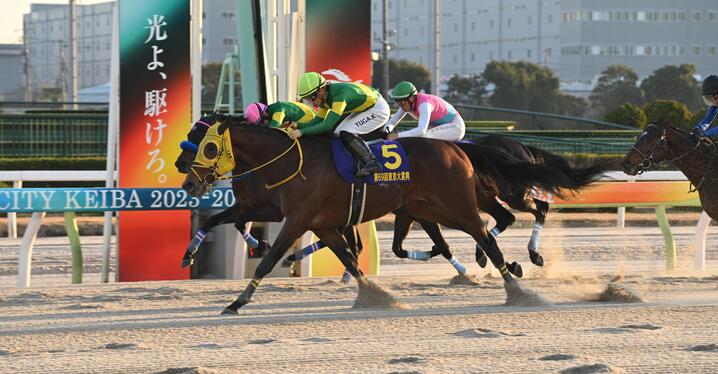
{"x":322,"y":127}
{"x":312,"y":122}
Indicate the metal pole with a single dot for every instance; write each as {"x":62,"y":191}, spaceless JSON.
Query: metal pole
{"x":385,"y":47}
{"x":26,"y":65}
{"x":501,"y":28}
{"x":436,"y":73}
{"x":112,"y":133}
{"x":73,"y":54}
{"x":196,"y":58}
{"x":538,"y":52}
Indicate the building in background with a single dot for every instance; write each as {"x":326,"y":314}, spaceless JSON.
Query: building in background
{"x":11,"y":75}
{"x":576,"y":38}
{"x":219,"y":29}
{"x":46,"y":37}
{"x":47,"y":41}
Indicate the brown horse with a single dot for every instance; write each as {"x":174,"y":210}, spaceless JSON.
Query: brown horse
{"x":313,"y":197}
{"x":253,"y":202}
{"x":660,"y":143}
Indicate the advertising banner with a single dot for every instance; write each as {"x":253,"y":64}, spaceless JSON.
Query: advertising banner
{"x":339,"y":47}
{"x":155,"y":110}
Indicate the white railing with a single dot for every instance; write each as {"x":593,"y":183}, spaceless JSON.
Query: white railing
{"x":18,"y":177}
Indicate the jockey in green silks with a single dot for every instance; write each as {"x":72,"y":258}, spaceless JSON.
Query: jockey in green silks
{"x":363,"y":107}
{"x":279,"y":113}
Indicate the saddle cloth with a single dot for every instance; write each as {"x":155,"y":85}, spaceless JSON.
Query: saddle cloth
{"x":390,"y":154}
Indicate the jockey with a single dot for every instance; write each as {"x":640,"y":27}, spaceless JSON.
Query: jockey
{"x":709,"y":91}
{"x":279,"y":113}
{"x":437,"y":118}
{"x":363,"y":108}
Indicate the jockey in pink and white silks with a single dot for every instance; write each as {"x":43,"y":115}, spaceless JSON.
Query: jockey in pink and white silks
{"x":437,"y":118}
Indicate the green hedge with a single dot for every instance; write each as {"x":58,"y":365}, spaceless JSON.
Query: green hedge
{"x":53,"y":163}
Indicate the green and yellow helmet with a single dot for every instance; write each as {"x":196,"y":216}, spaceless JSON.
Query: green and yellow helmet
{"x":309,"y":83}
{"x":403,"y":90}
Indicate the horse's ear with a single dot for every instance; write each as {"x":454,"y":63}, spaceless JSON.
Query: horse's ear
{"x":224,"y":124}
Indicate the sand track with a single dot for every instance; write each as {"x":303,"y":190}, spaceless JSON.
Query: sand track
{"x":308,"y":325}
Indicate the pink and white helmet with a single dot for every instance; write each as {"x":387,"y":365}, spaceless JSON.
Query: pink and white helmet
{"x":254,"y":111}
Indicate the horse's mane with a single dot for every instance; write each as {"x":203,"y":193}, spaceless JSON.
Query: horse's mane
{"x":668,"y":124}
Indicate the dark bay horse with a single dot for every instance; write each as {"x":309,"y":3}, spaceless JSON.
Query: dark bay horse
{"x":314,"y":198}
{"x":253,"y":202}
{"x":520,"y":198}
{"x":660,"y":143}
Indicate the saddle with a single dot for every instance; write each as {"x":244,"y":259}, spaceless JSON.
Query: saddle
{"x":390,"y":154}
{"x":394,"y":169}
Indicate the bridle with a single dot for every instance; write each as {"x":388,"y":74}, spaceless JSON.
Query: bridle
{"x":224,"y":149}
{"x":647,"y":161}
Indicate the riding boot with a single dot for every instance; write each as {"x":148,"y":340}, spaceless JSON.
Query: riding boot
{"x":362,"y":154}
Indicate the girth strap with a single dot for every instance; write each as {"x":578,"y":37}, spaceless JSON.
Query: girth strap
{"x":356,"y":204}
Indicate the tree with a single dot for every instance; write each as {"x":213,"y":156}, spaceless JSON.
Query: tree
{"x":572,"y":105}
{"x":698,"y":116}
{"x":617,"y":85}
{"x":629,"y":115}
{"x":402,"y":70}
{"x":527,"y":86}
{"x":671,"y":111}
{"x":466,"y":90}
{"x":673,"y":83}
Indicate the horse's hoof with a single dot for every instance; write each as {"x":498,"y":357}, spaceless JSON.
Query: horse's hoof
{"x":434,"y":252}
{"x":536,"y":258}
{"x":228,"y":311}
{"x":482,"y":261}
{"x":515,"y":269}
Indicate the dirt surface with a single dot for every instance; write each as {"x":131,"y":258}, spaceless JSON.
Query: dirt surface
{"x":309,"y":325}
{"x":54,"y":225}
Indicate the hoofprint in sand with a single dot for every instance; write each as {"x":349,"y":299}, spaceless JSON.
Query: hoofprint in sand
{"x":309,"y":325}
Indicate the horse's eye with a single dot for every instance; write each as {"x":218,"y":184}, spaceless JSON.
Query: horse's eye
{"x":210,"y":151}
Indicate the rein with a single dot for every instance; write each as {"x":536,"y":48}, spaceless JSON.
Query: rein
{"x":283,"y":181}
{"x":647,"y":160}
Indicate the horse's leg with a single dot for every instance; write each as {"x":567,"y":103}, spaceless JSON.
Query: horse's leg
{"x":487,"y":243}
{"x":402,"y":224}
{"x":351,"y":237}
{"x":538,"y":209}
{"x":264,"y":213}
{"x":441,"y":246}
{"x":290,"y":232}
{"x":226,"y":216}
{"x":504,"y":219}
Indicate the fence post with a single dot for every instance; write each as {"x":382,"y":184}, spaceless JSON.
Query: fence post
{"x":28,"y":240}
{"x":667,"y":238}
{"x":700,"y":241}
{"x":12,"y":217}
{"x":621,"y":217}
{"x":74,"y":236}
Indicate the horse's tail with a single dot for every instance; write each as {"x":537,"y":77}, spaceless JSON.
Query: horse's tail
{"x":507,"y":172}
{"x":581,"y":176}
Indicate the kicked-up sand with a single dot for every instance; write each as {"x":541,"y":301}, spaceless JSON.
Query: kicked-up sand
{"x":310,"y":326}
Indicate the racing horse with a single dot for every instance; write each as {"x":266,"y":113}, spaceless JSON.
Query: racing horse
{"x":661,"y":142}
{"x":314,"y":197}
{"x":254,"y":203}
